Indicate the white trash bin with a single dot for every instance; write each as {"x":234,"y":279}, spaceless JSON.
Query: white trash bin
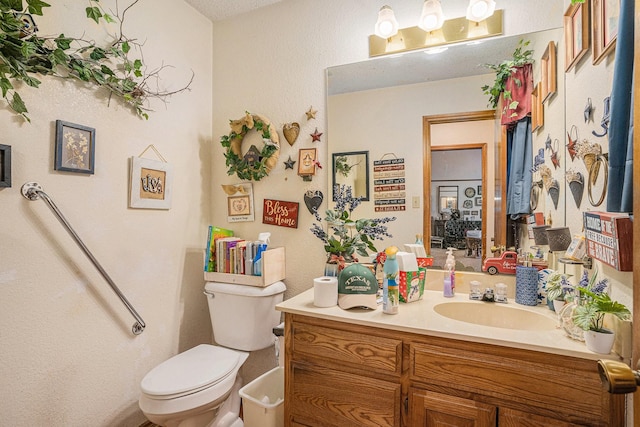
{"x":263,"y":400}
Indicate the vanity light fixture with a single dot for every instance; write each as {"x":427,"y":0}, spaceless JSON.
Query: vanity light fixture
{"x":432,"y":17}
{"x":387,"y":25}
{"x":479,"y":10}
{"x":451,"y":31}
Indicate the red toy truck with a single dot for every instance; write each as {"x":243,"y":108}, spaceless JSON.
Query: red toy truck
{"x":505,"y":263}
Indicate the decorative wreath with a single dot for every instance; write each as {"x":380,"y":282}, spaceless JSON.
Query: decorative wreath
{"x":250,"y":167}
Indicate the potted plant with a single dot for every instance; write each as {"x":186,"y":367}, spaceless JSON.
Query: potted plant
{"x":346,"y":237}
{"x":558,"y":289}
{"x":594,"y":303}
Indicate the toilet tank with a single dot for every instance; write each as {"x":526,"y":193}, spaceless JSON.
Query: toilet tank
{"x":243,"y":317}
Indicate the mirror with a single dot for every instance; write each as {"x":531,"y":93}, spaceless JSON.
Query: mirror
{"x":448,"y":199}
{"x":400,"y":93}
{"x":352,"y":169}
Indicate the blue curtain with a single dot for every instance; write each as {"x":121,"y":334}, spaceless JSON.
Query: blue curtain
{"x":520,"y":176}
{"x":620,"y":186}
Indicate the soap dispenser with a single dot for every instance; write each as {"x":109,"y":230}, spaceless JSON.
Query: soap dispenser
{"x":449,"y":275}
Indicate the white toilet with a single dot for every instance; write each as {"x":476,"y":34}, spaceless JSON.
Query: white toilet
{"x":199,"y":387}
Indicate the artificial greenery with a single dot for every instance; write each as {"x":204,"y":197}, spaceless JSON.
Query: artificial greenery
{"x":589,"y":315}
{"x":342,"y":166}
{"x":346,"y":236}
{"x":593,"y":302}
{"x":503,"y":70}
{"x":244,"y":168}
{"x":558,"y":286}
{"x":24,"y":57}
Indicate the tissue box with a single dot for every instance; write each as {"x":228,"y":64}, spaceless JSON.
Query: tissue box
{"x":425,"y":262}
{"x":411,"y":285}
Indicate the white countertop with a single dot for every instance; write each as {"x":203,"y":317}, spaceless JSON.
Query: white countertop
{"x":420,"y":318}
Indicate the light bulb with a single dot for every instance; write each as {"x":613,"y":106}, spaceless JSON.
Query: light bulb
{"x":386,"y":26}
{"x":432,"y":17}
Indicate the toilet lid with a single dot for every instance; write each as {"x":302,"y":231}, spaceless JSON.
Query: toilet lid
{"x":193,"y":370}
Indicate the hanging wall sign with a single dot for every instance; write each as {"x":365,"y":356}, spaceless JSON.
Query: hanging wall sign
{"x":150,"y":186}
{"x":283,"y":214}
{"x":239,"y":202}
{"x":389,"y":185}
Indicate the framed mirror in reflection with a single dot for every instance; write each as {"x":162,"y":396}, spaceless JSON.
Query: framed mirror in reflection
{"x":448,"y":198}
{"x":352,"y":169}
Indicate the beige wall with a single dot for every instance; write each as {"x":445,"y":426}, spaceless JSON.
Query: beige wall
{"x":68,"y":356}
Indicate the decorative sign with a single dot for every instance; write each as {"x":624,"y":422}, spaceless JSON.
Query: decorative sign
{"x":239,"y":202}
{"x":610,"y":239}
{"x":150,"y":184}
{"x":283,"y":214}
{"x":389,"y":185}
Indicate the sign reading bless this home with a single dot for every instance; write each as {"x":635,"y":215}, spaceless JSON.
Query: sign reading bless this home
{"x":283,"y":214}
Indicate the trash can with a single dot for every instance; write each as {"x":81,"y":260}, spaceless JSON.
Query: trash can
{"x":263,"y":400}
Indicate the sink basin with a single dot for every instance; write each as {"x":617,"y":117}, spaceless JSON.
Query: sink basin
{"x":495,"y":315}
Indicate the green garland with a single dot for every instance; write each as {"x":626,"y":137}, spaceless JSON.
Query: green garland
{"x":237,"y":164}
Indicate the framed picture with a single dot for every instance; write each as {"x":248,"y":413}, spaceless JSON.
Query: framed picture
{"x":537,"y":109}
{"x":307,"y":161}
{"x":548,"y":71}
{"x":239,"y":202}
{"x":576,"y":34}
{"x":478,"y":201}
{"x":150,"y":185}
{"x":75,"y":148}
{"x":479,"y":190}
{"x":604,"y":27}
{"x":5,"y":165}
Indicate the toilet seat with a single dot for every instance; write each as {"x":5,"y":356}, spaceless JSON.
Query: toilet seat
{"x":194,"y":370}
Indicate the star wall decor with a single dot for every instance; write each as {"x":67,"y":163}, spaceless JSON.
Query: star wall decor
{"x":289,"y":163}
{"x":311,"y":114}
{"x":315,"y":136}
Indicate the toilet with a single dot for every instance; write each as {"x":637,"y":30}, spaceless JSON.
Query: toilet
{"x":199,"y":387}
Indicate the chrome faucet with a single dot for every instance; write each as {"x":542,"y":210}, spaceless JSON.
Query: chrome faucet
{"x":488,"y":295}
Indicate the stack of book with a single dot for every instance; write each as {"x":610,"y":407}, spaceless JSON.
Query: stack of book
{"x":228,"y":253}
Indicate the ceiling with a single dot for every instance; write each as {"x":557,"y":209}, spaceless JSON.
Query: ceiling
{"x":217,"y":10}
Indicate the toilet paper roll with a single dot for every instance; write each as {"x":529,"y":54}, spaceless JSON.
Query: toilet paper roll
{"x":325,"y":291}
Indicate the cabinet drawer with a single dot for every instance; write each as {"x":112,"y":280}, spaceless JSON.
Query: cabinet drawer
{"x":322,"y":397}
{"x":514,"y":377}
{"x":359,"y":350}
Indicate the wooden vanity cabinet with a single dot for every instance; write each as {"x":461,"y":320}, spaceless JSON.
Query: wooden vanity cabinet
{"x":341,"y":375}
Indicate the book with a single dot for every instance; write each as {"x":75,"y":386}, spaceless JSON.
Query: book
{"x":223,"y":244}
{"x":214,"y":234}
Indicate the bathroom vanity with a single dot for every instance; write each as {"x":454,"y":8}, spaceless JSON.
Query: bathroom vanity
{"x":425,"y":367}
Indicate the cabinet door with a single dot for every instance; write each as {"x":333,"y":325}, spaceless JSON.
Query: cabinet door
{"x":513,"y":418}
{"x":431,"y":409}
{"x":323,"y":397}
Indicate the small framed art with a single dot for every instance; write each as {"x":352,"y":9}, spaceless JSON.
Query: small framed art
{"x":307,"y":161}
{"x":576,"y":34}
{"x":604,"y":27}
{"x":75,"y":148}
{"x":548,"y":70}
{"x":5,"y":166}
{"x":151,"y":182}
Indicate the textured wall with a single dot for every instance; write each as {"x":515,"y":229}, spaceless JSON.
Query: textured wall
{"x":68,"y":356}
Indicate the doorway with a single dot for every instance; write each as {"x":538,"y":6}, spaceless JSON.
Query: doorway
{"x":451,"y":133}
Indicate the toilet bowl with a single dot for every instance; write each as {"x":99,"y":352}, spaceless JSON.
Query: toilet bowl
{"x":199,"y":387}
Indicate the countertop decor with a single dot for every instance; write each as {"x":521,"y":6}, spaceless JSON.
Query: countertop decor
{"x":422,"y":317}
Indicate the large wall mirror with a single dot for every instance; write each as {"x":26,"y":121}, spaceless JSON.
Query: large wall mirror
{"x":398,"y":94}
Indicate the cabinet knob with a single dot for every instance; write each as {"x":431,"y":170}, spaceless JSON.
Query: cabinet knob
{"x":618,"y":377}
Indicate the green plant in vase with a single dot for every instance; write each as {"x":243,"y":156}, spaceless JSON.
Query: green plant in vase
{"x":593,"y":304}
